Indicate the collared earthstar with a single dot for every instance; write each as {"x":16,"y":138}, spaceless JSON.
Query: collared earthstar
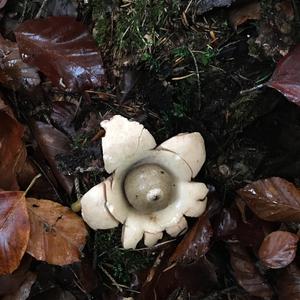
{"x":150,"y":189}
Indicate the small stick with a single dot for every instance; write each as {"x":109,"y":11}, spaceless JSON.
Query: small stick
{"x":41,"y":9}
{"x":255,"y":88}
{"x":32,"y":183}
{"x":112,"y":279}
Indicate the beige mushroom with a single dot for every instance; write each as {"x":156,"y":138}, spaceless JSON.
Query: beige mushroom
{"x":150,"y":190}
{"x":93,"y":208}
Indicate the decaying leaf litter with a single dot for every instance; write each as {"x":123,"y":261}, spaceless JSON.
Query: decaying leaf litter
{"x":228,"y":69}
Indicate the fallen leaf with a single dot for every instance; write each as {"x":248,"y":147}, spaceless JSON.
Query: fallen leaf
{"x":273,"y":199}
{"x":42,"y":187}
{"x":10,"y":283}
{"x":286,"y":77}
{"x":14,"y":73}
{"x":57,"y":234}
{"x":78,"y":276}
{"x":207,"y":5}
{"x":63,"y":114}
{"x":278,"y":249}
{"x":288,"y":283}
{"x":12,"y":151}
{"x":63,"y":50}
{"x":195,"y":243}
{"x":247,"y":274}
{"x":14,"y":230}
{"x":249,"y":232}
{"x":162,"y":281}
{"x":241,"y":14}
{"x":24,"y":290}
{"x":53,"y":142}
{"x":2,"y":3}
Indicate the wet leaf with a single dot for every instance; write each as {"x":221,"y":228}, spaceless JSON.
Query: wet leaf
{"x":12,"y":151}
{"x":273,"y":199}
{"x":24,"y":290}
{"x":63,"y":115}
{"x":288,"y":283}
{"x":63,"y":50}
{"x":195,"y":243}
{"x":241,"y":14}
{"x":42,"y":187}
{"x":10,"y":283}
{"x":2,"y":3}
{"x":246,"y":273}
{"x":57,"y":234}
{"x":250,"y":231}
{"x":162,"y":281}
{"x":53,"y":142}
{"x":14,"y":73}
{"x":76,"y":275}
{"x":278,"y":249}
{"x":286,"y":76}
{"x":14,"y":230}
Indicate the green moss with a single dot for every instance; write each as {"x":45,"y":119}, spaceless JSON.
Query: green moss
{"x":119,"y":263}
{"x":137,"y":27}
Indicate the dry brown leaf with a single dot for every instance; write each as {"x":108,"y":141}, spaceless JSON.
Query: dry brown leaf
{"x":57,"y":234}
{"x":14,"y":230}
{"x":12,"y":151}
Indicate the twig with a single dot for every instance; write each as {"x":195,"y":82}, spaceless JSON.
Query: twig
{"x":39,"y":13}
{"x":112,"y":279}
{"x":255,"y":88}
{"x":198,"y":77}
{"x":32,"y":183}
{"x":24,"y":11}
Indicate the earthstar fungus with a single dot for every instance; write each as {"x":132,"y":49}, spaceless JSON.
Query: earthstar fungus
{"x":150,"y":189}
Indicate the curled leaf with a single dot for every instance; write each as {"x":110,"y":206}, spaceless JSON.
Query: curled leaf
{"x":57,"y":234}
{"x":278,"y":249}
{"x":63,"y":50}
{"x":273,"y":199}
{"x":14,"y":73}
{"x":14,"y":230}
{"x":12,"y":151}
